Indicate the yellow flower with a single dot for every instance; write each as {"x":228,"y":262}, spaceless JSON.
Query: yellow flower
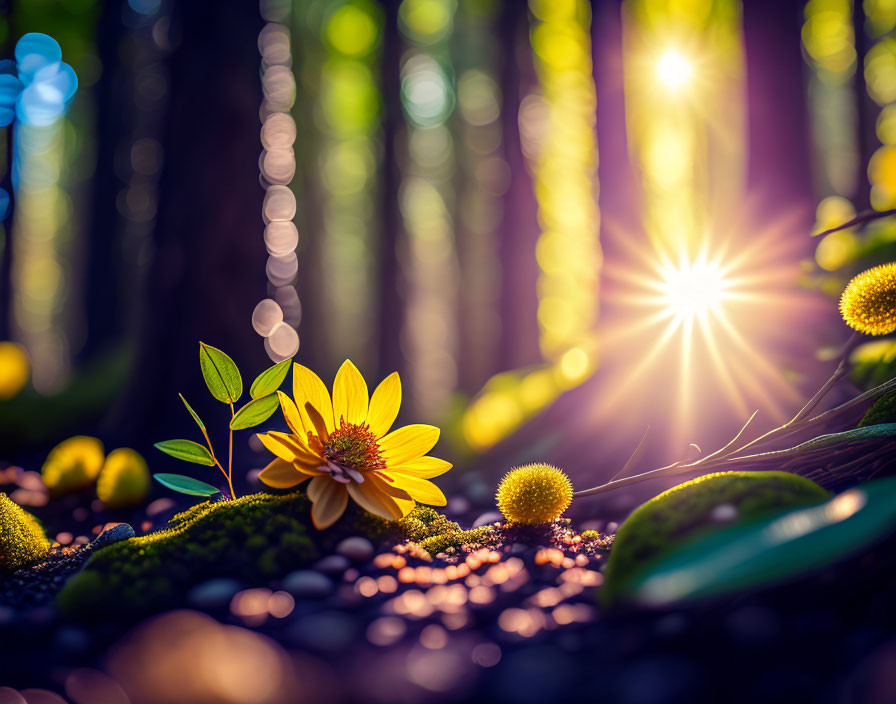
{"x":341,"y":444}
{"x":869,"y":302}
{"x":534,"y":493}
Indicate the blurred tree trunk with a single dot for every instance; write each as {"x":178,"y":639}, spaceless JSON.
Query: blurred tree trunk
{"x":779,"y":137}
{"x":519,"y":229}
{"x":391,"y":302}
{"x":208,"y":271}
{"x":866,"y":112}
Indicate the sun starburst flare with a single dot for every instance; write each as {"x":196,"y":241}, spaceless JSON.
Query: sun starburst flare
{"x":343,"y":445}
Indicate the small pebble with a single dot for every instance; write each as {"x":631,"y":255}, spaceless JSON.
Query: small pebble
{"x":214,"y":593}
{"x":115,"y":534}
{"x":488,"y":517}
{"x":308,"y":584}
{"x":332,"y":564}
{"x":357,"y":549}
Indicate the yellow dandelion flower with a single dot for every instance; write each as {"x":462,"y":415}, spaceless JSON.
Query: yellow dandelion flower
{"x":343,"y":445}
{"x":869,"y":302}
{"x":534,"y":493}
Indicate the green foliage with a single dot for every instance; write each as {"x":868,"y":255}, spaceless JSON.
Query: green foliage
{"x":685,"y":513}
{"x":772,"y":550}
{"x":225,"y":383}
{"x":186,"y":450}
{"x":270,"y":379}
{"x":254,"y":539}
{"x":193,"y":413}
{"x":185,"y":485}
{"x":22,"y":540}
{"x":220,"y":373}
{"x":256,"y":411}
{"x":882,"y":411}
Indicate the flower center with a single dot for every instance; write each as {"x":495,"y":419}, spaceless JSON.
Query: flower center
{"x":353,"y":446}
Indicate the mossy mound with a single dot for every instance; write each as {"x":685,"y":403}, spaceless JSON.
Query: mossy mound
{"x":22,"y":539}
{"x":695,"y":508}
{"x":254,"y":539}
{"x":882,"y":411}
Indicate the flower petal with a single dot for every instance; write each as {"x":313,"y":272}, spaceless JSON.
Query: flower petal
{"x":384,"y":405}
{"x":281,"y":474}
{"x":329,"y":504}
{"x":388,"y":486}
{"x":308,"y":388}
{"x":293,"y":418}
{"x":423,"y":467}
{"x":408,"y":443}
{"x":371,"y":499}
{"x":349,"y":395}
{"x":320,"y":425}
{"x":421,"y":490}
{"x":287,"y":447}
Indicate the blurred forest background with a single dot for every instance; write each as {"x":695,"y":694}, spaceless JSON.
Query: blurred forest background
{"x":476,"y":187}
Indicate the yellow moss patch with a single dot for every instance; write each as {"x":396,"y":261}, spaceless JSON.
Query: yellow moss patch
{"x":22,"y":540}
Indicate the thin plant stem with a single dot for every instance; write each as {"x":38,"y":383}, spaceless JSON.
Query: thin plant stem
{"x":727,"y":457}
{"x":230,"y":456}
{"x":208,"y":441}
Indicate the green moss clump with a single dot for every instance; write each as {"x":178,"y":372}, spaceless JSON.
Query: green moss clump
{"x":685,"y":512}
{"x":22,"y":539}
{"x":253,"y":539}
{"x":425,"y":522}
{"x":882,"y":411}
{"x":483,"y":536}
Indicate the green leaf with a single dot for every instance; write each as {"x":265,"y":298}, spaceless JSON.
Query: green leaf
{"x":883,"y":431}
{"x":220,"y":373}
{"x":186,"y":450}
{"x":192,"y":413}
{"x":772,"y":550}
{"x":270,"y":379}
{"x":255,"y":412}
{"x":185,"y":485}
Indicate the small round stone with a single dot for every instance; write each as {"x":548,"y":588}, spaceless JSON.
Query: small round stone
{"x":332,"y":564}
{"x":487,"y":518}
{"x":213,"y":594}
{"x":308,"y":584}
{"x":357,"y":549}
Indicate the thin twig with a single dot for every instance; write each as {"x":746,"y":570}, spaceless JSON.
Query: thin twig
{"x":862,"y":218}
{"x":633,"y":457}
{"x":725,"y":457}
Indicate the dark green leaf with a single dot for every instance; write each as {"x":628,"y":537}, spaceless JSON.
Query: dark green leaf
{"x":185,"y":485}
{"x":186,"y":450}
{"x":270,"y":379}
{"x":192,"y":413}
{"x":883,"y":431}
{"x":774,"y":549}
{"x":220,"y":373}
{"x":255,"y":412}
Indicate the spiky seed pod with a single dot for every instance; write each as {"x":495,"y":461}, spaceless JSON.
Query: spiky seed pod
{"x":868,"y":303}
{"x":73,"y":464}
{"x":534,"y":493}
{"x":124,"y":479}
{"x":22,"y":540}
